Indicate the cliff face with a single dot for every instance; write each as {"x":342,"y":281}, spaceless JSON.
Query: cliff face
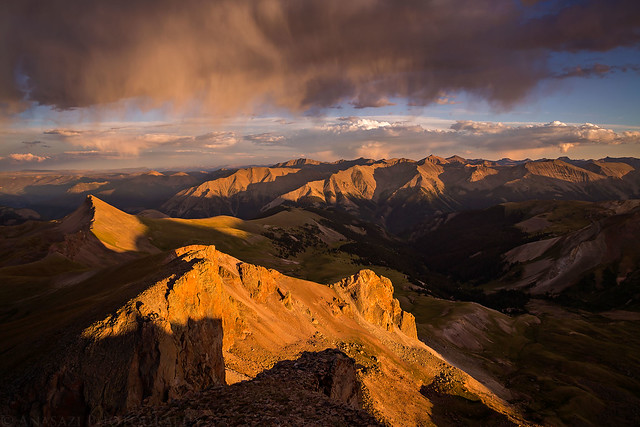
{"x":212,"y":320}
{"x":165,"y":342}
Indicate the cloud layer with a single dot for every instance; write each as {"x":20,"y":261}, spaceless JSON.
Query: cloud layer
{"x":268,"y":141}
{"x":349,"y":137}
{"x":231,"y":56}
{"x":132,"y":141}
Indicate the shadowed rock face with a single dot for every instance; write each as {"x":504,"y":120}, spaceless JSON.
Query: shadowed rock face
{"x":118,"y":373}
{"x":12,"y":216}
{"x":166,"y":341}
{"x":316,"y":388}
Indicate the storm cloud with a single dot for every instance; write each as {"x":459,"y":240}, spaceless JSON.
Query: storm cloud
{"x":236,"y":56}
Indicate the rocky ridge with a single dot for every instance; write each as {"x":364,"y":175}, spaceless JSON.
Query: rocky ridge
{"x":213,"y":320}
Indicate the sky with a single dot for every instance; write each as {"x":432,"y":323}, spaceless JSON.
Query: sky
{"x":199,"y":84}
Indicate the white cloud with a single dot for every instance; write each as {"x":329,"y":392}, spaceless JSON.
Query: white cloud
{"x":217,"y":139}
{"x":353,"y":136}
{"x":323,"y":138}
{"x":566,"y":147}
{"x":28,"y":157}
{"x":63,"y":132}
{"x":351,"y":124}
{"x":468,"y":126}
{"x":499,"y":136}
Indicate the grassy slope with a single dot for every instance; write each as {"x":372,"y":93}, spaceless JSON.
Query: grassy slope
{"x":36,"y":315}
{"x":564,"y":367}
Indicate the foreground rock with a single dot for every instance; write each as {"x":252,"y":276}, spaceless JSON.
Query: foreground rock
{"x":317,"y":389}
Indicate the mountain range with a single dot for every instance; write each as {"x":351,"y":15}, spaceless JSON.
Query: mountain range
{"x":400,"y":192}
{"x":396,"y":193}
{"x":399,"y":292}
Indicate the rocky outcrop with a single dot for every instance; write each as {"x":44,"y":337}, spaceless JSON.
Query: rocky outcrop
{"x":372,"y":295}
{"x":257,"y":280}
{"x":318,"y":388}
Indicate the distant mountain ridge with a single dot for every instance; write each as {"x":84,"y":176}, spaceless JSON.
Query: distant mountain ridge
{"x":54,"y":194}
{"x":401,"y":192}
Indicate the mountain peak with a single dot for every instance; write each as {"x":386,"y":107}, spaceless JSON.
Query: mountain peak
{"x":561,"y":170}
{"x":402,"y":187}
{"x":297,"y":162}
{"x":92,"y":201}
{"x":456,"y":159}
{"x":97,"y":230}
{"x":436,"y":160}
{"x":82,"y":217}
{"x":395,"y":161}
{"x":101,"y":209}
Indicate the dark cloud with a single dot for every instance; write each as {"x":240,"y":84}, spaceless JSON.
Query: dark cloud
{"x":63,"y":132}
{"x":231,"y":55}
{"x":583,"y":25}
{"x":596,"y":70}
{"x":373,"y":101}
{"x":268,"y":139}
{"x":34,"y":144}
